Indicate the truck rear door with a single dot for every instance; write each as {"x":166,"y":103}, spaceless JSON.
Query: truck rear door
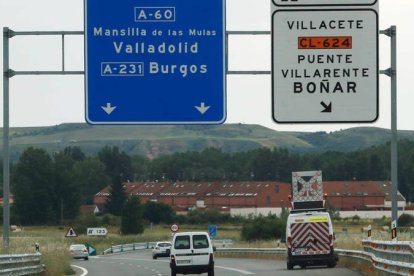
{"x":310,"y":236}
{"x":201,"y":247}
{"x":183,"y":251}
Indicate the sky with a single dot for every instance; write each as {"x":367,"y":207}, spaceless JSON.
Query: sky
{"x":52,"y":100}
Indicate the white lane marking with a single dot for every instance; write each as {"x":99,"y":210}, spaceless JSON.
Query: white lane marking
{"x":245,"y":272}
{"x":84,"y":271}
{"x":138,"y":259}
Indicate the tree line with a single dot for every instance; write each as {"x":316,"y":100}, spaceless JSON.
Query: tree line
{"x":49,"y":188}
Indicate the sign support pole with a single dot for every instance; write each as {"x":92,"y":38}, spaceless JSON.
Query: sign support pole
{"x":7,"y":74}
{"x":392,"y":73}
{"x":6,"y":155}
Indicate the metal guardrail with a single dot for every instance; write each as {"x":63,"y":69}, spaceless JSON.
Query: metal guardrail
{"x":129,"y":247}
{"x":21,"y":264}
{"x":222,"y":242}
{"x":392,"y":257}
{"x":354,"y":254}
{"x":252,"y":250}
{"x":149,"y":245}
{"x":395,"y":251}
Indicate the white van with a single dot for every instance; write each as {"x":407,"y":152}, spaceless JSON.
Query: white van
{"x":310,"y":239}
{"x":192,"y":252}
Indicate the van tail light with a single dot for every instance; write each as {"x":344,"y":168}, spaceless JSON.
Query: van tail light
{"x":289,"y":242}
{"x":331,"y":240}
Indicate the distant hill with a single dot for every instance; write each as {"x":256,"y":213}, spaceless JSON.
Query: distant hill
{"x":153,"y":141}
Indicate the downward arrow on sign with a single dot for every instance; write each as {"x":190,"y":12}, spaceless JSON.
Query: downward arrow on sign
{"x":202,"y":108}
{"x":108,"y":108}
{"x":327,"y":107}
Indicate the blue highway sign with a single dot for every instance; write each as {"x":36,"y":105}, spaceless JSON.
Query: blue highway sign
{"x":212,"y":231}
{"x":155,"y":62}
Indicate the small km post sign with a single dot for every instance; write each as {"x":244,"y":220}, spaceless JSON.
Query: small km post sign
{"x":97,"y":231}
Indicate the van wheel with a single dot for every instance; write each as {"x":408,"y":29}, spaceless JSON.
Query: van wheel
{"x":173,"y":273}
{"x":289,"y":265}
{"x":303,"y":266}
{"x":331,"y":264}
{"x":154,"y":257}
{"x":210,"y":271}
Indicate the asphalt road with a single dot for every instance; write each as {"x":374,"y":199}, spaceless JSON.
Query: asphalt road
{"x":141,"y":263}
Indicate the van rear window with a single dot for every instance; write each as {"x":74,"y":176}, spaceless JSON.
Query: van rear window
{"x":182,"y":242}
{"x":200,"y":241}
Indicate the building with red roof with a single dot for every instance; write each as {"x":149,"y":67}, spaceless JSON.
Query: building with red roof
{"x":256,"y":195}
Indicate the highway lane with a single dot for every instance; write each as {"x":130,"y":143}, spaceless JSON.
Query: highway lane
{"x":141,"y":263}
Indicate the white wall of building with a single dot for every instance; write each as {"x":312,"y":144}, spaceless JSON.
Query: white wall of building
{"x":245,"y":212}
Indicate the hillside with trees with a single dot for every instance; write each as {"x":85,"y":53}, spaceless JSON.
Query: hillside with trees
{"x":153,"y":141}
{"x":49,"y":188}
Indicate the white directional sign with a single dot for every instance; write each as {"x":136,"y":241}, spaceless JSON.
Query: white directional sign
{"x":97,"y":231}
{"x":323,"y":2}
{"x":325,"y":64}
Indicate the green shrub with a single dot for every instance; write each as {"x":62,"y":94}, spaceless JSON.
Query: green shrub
{"x":264,"y":228}
{"x":132,"y":222}
{"x":111,"y":220}
{"x":84,"y":221}
{"x":405,"y":220}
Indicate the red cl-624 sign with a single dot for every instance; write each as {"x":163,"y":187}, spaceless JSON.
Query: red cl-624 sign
{"x":325,"y":42}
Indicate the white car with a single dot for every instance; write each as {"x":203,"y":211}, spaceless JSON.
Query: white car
{"x":79,"y":251}
{"x":192,"y":252}
{"x":161,"y":249}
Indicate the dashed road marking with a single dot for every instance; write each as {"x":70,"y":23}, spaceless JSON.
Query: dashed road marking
{"x":245,"y":272}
